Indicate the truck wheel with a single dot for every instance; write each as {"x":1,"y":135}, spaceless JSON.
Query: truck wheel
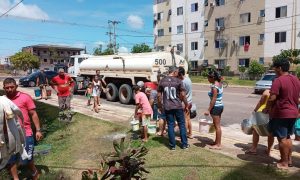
{"x":125,"y":94}
{"x":112,"y":94}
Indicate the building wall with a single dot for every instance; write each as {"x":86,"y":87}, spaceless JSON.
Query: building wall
{"x":4,"y":61}
{"x":283,"y":24}
{"x":234,"y":29}
{"x":164,"y":23}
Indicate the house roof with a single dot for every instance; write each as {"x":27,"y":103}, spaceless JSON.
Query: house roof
{"x":46,"y":46}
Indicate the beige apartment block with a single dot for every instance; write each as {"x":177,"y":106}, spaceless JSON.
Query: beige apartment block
{"x":230,"y":27}
{"x":162,"y":24}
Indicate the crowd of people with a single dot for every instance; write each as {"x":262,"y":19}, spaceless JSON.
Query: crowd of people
{"x":170,"y":105}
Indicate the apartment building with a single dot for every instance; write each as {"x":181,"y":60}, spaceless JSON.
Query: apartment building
{"x":5,"y":61}
{"x":183,"y":27}
{"x":282,"y":23}
{"x":234,"y":33}
{"x":50,"y":55}
{"x":162,"y":25}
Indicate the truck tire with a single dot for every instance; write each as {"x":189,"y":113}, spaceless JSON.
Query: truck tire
{"x":112,"y":94}
{"x":125,"y":94}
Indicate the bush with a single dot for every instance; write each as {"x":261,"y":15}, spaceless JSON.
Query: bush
{"x":298,"y":72}
{"x":255,"y":70}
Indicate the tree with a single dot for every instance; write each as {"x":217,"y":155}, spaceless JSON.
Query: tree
{"x":25,"y":60}
{"x":107,"y":51}
{"x":293,"y":55}
{"x":140,"y":48}
{"x":255,"y":69}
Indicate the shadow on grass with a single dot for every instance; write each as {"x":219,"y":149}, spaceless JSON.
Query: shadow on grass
{"x":203,"y":141}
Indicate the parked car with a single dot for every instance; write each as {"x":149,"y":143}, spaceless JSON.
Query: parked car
{"x":30,"y":80}
{"x":264,"y":83}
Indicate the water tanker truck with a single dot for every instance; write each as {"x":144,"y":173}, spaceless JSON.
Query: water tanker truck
{"x":121,"y":72}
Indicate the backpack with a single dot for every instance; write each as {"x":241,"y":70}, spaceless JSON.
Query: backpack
{"x":12,"y":137}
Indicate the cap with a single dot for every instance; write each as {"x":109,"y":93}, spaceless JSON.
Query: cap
{"x":140,"y":84}
{"x":172,"y":69}
{"x":61,"y":70}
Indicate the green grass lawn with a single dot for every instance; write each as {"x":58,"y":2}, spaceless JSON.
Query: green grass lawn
{"x":78,"y":146}
{"x":231,"y":81}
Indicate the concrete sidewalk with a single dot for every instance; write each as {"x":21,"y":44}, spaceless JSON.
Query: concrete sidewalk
{"x":234,"y":141}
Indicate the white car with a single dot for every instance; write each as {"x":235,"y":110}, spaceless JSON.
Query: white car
{"x":264,"y":83}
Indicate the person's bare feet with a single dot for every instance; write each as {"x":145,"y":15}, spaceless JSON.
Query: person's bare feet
{"x":215,"y":147}
{"x":282,"y":166}
{"x":145,"y":140}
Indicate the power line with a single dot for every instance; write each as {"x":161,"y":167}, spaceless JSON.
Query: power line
{"x":11,"y":8}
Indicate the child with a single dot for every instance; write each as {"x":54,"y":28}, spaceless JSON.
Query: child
{"x":88,"y":93}
{"x":96,"y":93}
{"x":144,"y":106}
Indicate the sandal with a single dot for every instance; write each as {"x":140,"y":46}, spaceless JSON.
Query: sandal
{"x":250,"y":152}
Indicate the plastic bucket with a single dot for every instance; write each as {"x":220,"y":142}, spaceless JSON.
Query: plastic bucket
{"x":152,"y":129}
{"x":205,"y":126}
{"x":135,"y":125}
{"x":48,"y":92}
{"x":37,"y":92}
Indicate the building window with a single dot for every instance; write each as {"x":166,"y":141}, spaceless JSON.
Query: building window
{"x":280,"y":37}
{"x":51,"y":61}
{"x":160,"y":16}
{"x":205,"y":42}
{"x":45,"y":52}
{"x":220,"y":2}
{"x":170,"y":29}
{"x":261,"y":37}
{"x":205,"y":63}
{"x":244,"y":40}
{"x":74,"y":53}
{"x":194,"y":64}
{"x":180,"y":29}
{"x":194,"y":46}
{"x":45,"y":60}
{"x":38,"y":53}
{"x":281,"y":12}
{"x":160,"y":48}
{"x":244,"y":62}
{"x":220,"y":63}
{"x":206,"y":23}
{"x":205,"y":2}
{"x":219,"y":43}
{"x":261,"y":60}
{"x":220,"y":22}
{"x":160,"y":32}
{"x":262,"y":13}
{"x":180,"y":47}
{"x":194,"y":7}
{"x":194,"y":26}
{"x":179,"y":11}
{"x":245,"y":18}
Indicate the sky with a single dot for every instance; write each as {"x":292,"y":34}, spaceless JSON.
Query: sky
{"x":76,"y":23}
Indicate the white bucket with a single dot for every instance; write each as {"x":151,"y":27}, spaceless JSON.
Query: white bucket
{"x":135,"y":125}
{"x":204,"y":126}
{"x":152,"y":129}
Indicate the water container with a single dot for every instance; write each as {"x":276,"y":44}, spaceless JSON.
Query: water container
{"x":135,"y":125}
{"x":48,"y":92}
{"x":205,"y":126}
{"x":37,"y":92}
{"x":152,"y":129}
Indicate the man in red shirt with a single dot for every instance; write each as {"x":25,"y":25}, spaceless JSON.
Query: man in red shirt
{"x":283,"y":109}
{"x":27,"y":106}
{"x":63,"y":85}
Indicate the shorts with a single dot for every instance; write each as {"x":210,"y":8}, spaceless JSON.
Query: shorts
{"x":29,"y":149}
{"x":89,"y":96}
{"x":146,"y":119}
{"x":217,"y":110}
{"x":282,"y":127}
{"x":155,"y":112}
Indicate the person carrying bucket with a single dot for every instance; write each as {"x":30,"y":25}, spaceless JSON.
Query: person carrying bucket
{"x":42,"y":82}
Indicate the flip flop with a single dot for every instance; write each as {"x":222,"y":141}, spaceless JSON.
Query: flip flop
{"x":250,"y":152}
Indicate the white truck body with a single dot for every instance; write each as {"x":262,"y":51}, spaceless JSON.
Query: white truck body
{"x":126,"y":70}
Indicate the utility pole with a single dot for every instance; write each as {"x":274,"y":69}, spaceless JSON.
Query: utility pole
{"x":114,"y":23}
{"x":109,"y":33}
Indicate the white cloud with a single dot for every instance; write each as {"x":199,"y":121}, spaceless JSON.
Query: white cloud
{"x":123,"y":50}
{"x":22,"y":10}
{"x":135,"y":22}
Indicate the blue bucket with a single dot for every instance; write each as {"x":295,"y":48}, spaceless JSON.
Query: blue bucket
{"x":37,"y":92}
